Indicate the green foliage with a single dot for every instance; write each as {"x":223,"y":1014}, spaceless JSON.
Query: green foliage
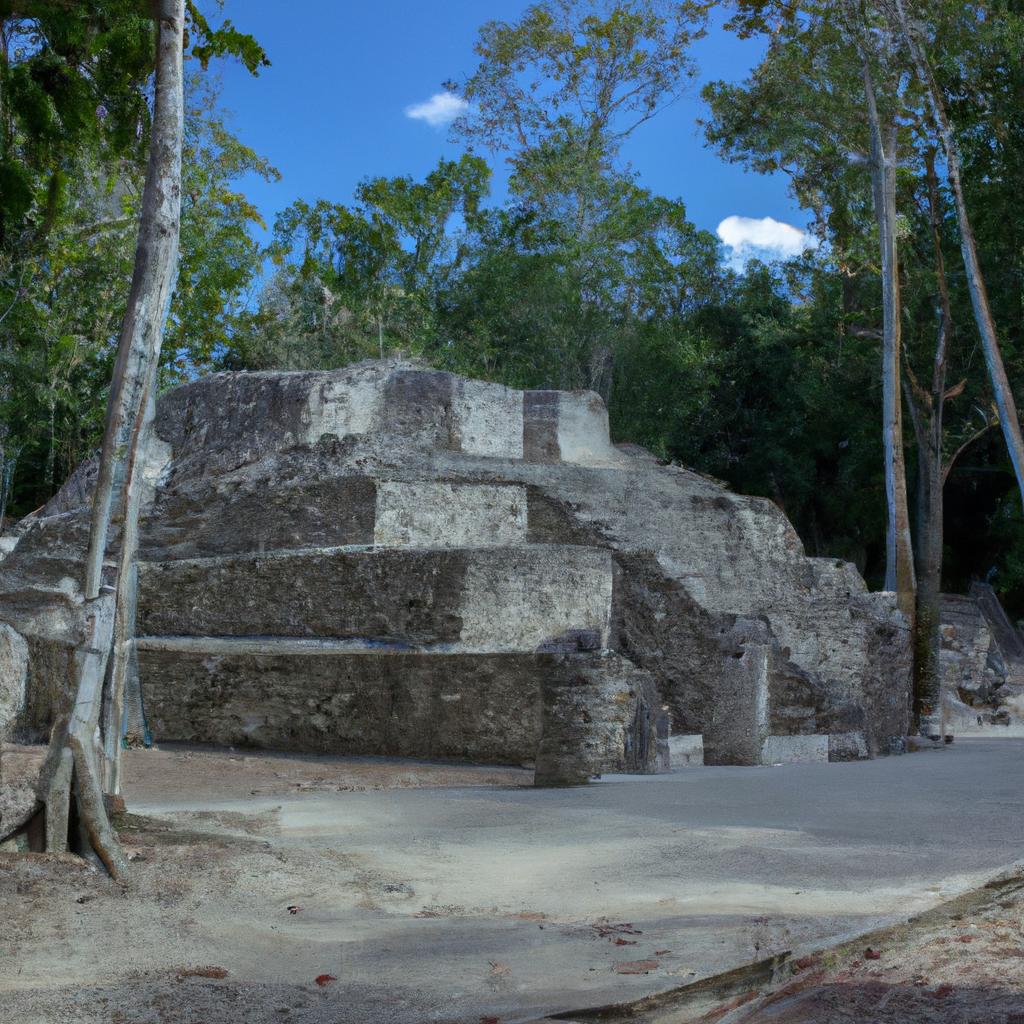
{"x":71,"y":78}
{"x":209,"y":43}
{"x":800,"y":112}
{"x":603,"y":68}
{"x":75,"y":86}
{"x":356,"y":281}
{"x":220,"y":260}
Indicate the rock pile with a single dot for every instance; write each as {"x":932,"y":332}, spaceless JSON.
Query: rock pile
{"x":982,"y":665}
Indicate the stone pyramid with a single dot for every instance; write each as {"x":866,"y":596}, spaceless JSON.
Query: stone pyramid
{"x":388,"y":559}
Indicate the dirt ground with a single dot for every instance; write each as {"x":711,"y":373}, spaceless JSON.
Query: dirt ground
{"x":245,"y":905}
{"x":205,"y":774}
{"x":63,"y":922}
{"x":960,"y":964}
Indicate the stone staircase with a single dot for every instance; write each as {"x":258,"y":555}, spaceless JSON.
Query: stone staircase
{"x":342,"y":649}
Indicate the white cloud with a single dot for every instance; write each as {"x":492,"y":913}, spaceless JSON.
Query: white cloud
{"x":442,"y":108}
{"x":762,"y":238}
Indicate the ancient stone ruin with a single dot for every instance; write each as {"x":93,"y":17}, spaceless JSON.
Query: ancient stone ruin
{"x":387,"y":559}
{"x":982,"y":664}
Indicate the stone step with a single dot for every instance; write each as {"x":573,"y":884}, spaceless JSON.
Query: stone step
{"x":487,"y":599}
{"x":795,"y":749}
{"x":253,"y":413}
{"x":300,"y":647}
{"x":814,"y":748}
{"x":289,"y":695}
{"x":336,"y":700}
{"x":339,"y":511}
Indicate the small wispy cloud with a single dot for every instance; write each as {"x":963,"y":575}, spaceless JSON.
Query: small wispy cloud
{"x":442,"y":108}
{"x":762,"y":238}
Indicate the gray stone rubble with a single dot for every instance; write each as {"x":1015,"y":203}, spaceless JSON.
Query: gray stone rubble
{"x":982,"y":665}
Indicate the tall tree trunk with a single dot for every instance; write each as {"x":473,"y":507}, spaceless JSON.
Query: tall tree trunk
{"x":122,"y":645}
{"x":928,"y":622}
{"x":969,"y":250}
{"x":8,"y":461}
{"x":927,"y":411}
{"x":50,"y":469}
{"x":73,"y":758}
{"x":156,"y":258}
{"x":899,"y":557}
{"x":927,"y":707}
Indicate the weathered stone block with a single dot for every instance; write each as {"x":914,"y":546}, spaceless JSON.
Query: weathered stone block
{"x":598,"y":714}
{"x":583,"y":431}
{"x":477,"y":707}
{"x":736,"y":722}
{"x":332,"y":592}
{"x":13,"y":677}
{"x":540,"y":426}
{"x":512,"y":598}
{"x":519,"y":599}
{"x":795,"y":749}
{"x":260,"y":515}
{"x":343,"y":405}
{"x":48,"y":692}
{"x":848,"y":746}
{"x":449,"y":515}
{"x":488,"y":419}
{"x":686,"y":751}
{"x":418,"y":406}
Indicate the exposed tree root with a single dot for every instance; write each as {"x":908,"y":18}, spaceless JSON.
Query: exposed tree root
{"x":70,"y":779}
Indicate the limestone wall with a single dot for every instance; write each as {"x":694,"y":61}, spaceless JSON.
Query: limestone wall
{"x":241,"y":415}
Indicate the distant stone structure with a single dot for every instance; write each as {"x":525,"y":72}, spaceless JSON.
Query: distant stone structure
{"x":387,"y":559}
{"x":982,"y":665}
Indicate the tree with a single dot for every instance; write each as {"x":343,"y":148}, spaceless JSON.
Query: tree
{"x":927,"y":406}
{"x":528,"y":310}
{"x":74,"y":755}
{"x":561,"y":90}
{"x":804,"y":111}
{"x":74,"y":767}
{"x":1008,"y":418}
{"x":220,"y":259}
{"x":773,"y":122}
{"x":882,"y":160}
{"x":57,"y":345}
{"x":354,"y":280}
{"x":70,"y":87}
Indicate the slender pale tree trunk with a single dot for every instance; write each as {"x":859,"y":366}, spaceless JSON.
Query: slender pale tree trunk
{"x":8,"y":460}
{"x":928,"y":622}
{"x":899,"y":557}
{"x":50,"y":470}
{"x":122,"y":651}
{"x":969,"y":249}
{"x":156,"y":257}
{"x":928,"y":412}
{"x":74,"y":756}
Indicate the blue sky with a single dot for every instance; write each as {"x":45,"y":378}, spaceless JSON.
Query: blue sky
{"x":331,"y":109}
